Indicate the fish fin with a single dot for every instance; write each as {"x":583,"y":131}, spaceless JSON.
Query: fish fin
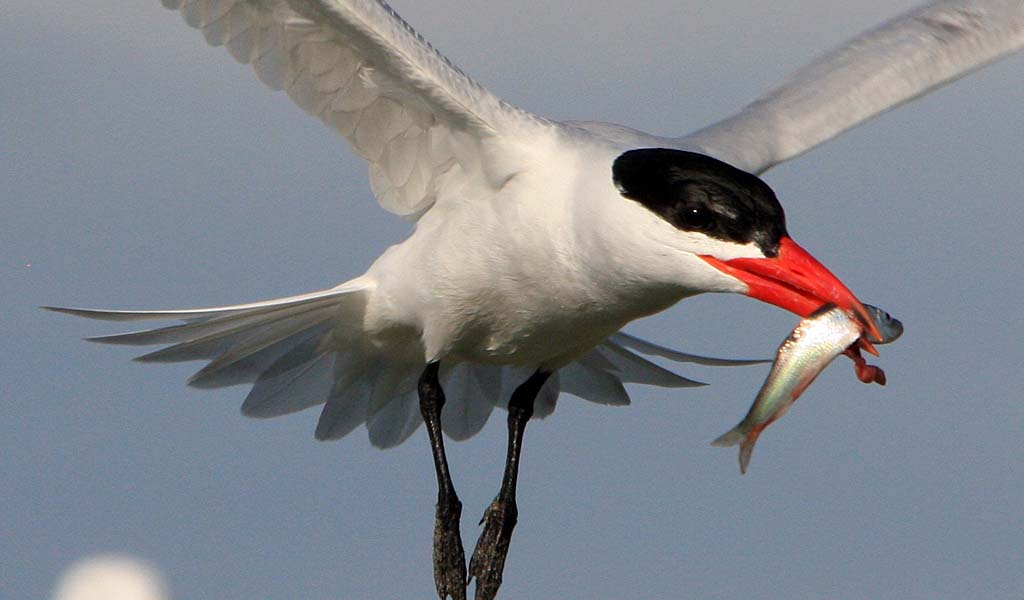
{"x":732,"y":437}
{"x":746,"y":440}
{"x":746,"y":449}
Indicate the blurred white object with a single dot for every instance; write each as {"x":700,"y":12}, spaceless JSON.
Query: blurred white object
{"x":111,"y":577}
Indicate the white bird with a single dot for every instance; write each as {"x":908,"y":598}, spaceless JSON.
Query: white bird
{"x":535,"y":242}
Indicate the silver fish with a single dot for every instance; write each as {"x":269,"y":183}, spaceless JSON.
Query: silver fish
{"x":815,"y":342}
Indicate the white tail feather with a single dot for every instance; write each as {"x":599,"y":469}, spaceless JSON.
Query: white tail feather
{"x":202,"y":313}
{"x":302,"y":351}
{"x":471,"y":391}
{"x":394,"y":423}
{"x":547,"y":397}
{"x":277,"y":393}
{"x":250,"y":358}
{"x":348,"y":403}
{"x":212,"y":338}
{"x":636,"y":369}
{"x":589,"y":383}
{"x":652,"y":349}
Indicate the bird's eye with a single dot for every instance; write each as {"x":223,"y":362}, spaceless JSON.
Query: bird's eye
{"x":696,"y":217}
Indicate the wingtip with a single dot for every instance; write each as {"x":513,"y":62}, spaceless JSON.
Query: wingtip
{"x":61,"y":309}
{"x":651,"y":349}
{"x":198,"y":380}
{"x":104,"y":314}
{"x":88,"y":313}
{"x":98,"y":339}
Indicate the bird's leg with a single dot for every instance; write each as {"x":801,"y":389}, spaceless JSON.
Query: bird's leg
{"x":449,"y":557}
{"x":488,"y":560}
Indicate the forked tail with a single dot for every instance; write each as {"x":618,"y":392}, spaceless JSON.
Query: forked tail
{"x":743,"y":435}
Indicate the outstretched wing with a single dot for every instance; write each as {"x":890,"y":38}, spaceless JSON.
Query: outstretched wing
{"x":362,"y":70}
{"x":874,"y":72}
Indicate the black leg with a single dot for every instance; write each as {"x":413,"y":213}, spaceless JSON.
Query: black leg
{"x":488,"y":560}
{"x":449,"y":558}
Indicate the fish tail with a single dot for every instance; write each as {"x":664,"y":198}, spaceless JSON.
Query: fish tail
{"x":734,"y":436}
{"x":746,"y":449}
{"x":745,"y":437}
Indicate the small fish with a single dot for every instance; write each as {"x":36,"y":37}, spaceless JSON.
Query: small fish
{"x":815,"y":342}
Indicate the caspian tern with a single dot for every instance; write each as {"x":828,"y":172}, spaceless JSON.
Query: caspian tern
{"x":535,"y":242}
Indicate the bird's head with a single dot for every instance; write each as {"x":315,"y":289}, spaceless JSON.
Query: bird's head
{"x":732,"y":222}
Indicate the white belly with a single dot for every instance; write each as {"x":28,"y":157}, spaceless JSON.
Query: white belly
{"x":496,"y":298}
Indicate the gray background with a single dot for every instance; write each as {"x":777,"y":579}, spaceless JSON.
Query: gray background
{"x":141,"y":168}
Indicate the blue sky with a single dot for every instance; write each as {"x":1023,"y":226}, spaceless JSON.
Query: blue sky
{"x":141,"y":169}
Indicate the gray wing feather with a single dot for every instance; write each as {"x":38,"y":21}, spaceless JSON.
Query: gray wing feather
{"x":872,"y":73}
{"x":363,"y":71}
